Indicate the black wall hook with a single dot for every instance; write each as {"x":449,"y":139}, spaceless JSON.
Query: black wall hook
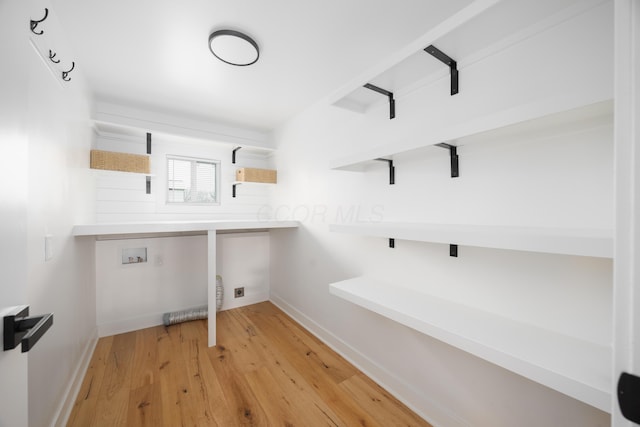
{"x":65,"y":74}
{"x":52,"y":56}
{"x":34,"y":24}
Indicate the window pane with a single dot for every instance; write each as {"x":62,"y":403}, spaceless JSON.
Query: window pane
{"x":179,"y":179}
{"x":205,"y":182}
{"x":191,"y":181}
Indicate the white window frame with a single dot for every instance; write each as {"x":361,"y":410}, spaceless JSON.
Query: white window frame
{"x":194,"y":161}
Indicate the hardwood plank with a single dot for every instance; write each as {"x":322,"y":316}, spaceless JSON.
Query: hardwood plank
{"x":228,"y":359}
{"x":145,"y":402}
{"x":169,"y":391}
{"x":311,"y":408}
{"x":273,"y":400}
{"x":386,"y":409}
{"x":238,"y":340}
{"x":316,"y":352}
{"x":145,"y":406}
{"x":145,"y":359}
{"x":297,"y":344}
{"x":203,"y":377}
{"x":266,"y":370}
{"x":178,"y":406}
{"x":84,"y":408}
{"x":113,"y":402}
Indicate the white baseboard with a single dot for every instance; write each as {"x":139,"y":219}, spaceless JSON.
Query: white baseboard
{"x":155,"y":319}
{"x":66,"y":404}
{"x":128,"y":325}
{"x":426,"y":408}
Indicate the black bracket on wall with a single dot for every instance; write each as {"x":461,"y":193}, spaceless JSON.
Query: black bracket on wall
{"x":453,"y":251}
{"x":629,"y":396}
{"x":453,"y":65}
{"x":233,"y":156}
{"x":233,"y":189}
{"x":34,"y":24}
{"x":392,"y":243}
{"x":148,"y":178}
{"x":392,"y":102}
{"x":19,"y":328}
{"x":453,"y":153}
{"x":392,"y":170}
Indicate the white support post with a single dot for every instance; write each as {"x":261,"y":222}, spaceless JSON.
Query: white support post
{"x":626,"y":298}
{"x":211,"y":285}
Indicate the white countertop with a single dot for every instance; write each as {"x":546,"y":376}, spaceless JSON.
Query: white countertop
{"x":172,"y":227}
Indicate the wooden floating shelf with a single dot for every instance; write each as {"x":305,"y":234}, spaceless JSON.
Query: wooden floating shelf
{"x":121,"y":162}
{"x":572,"y":366}
{"x":564,"y":241}
{"x":266,"y":176}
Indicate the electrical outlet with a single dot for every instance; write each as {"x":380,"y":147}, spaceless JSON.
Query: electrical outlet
{"x":238,"y":292}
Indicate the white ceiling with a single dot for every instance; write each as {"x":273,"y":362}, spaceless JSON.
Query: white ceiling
{"x":154,"y":53}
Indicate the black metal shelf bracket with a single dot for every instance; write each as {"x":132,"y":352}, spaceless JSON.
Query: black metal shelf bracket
{"x":233,"y":189}
{"x":392,"y":170}
{"x":629,"y":396}
{"x":233,"y":155}
{"x":453,"y":251}
{"x":34,"y":23}
{"x":19,"y":328}
{"x":452,"y":64}
{"x":392,"y":102}
{"x":453,"y":153}
{"x":392,"y":243}
{"x":148,"y":178}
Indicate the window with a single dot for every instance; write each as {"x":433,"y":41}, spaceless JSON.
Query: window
{"x":192,"y":180}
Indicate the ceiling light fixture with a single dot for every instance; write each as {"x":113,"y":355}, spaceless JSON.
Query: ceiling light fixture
{"x":234,"y":47}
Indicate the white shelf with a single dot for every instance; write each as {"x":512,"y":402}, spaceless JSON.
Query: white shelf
{"x":463,"y":37}
{"x":577,"y":368}
{"x":128,"y":230}
{"x":565,"y":241}
{"x":253,"y":183}
{"x":528,"y":121}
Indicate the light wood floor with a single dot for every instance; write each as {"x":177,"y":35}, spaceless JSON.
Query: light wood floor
{"x":265,"y":371}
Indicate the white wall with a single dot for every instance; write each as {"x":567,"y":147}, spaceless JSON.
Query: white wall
{"x":561,"y":180}
{"x":180,"y":281}
{"x":243,"y":260}
{"x":135,"y":296}
{"x":60,"y":195}
{"x":121,"y":196}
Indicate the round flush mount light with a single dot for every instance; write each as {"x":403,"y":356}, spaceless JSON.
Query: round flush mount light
{"x":234,"y":47}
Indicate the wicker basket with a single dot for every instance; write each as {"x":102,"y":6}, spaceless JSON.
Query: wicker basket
{"x":123,"y":162}
{"x":269,"y":176}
